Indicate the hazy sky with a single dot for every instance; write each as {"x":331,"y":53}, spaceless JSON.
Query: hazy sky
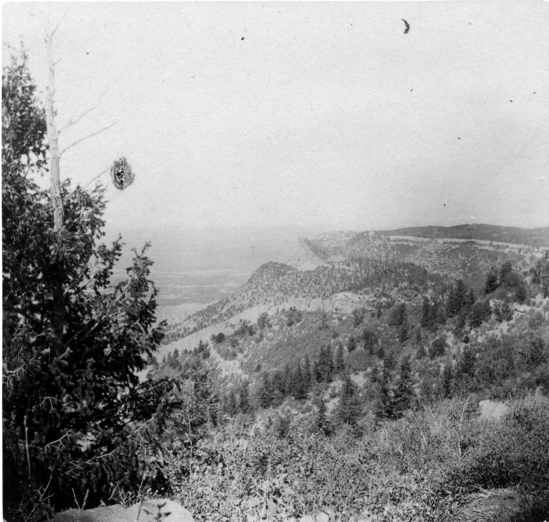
{"x":311,"y":114}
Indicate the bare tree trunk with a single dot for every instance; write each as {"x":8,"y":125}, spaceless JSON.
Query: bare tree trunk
{"x":58,"y":317}
{"x":53,"y":140}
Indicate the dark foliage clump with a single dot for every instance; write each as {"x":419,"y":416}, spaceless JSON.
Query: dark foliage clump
{"x":73,"y":342}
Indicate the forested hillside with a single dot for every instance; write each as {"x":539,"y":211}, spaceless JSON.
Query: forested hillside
{"x":382,"y":378}
{"x":351,"y":262}
{"x":393,"y":388}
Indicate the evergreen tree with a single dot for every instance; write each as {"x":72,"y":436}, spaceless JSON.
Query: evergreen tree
{"x":264,"y":393}
{"x":389,"y":361}
{"x":300,"y":390}
{"x":370,"y":340}
{"x":398,"y":315}
{"x":325,"y":364}
{"x":504,"y":273}
{"x":73,"y":344}
{"x":349,"y":406}
{"x":351,"y":344}
{"x":465,"y":375}
{"x":520,"y":293}
{"x":289,"y":380}
{"x":245,"y":406}
{"x":427,"y":318}
{"x":329,"y":364}
{"x":456,"y":299}
{"x":263,"y":321}
{"x":339,"y":361}
{"x":385,"y":405}
{"x":447,"y":381}
{"x":540,"y":274}
{"x":491,"y":283}
{"x":321,"y":421}
{"x":403,"y":333}
{"x":404,"y":391}
{"x":316,"y":376}
{"x":421,"y":352}
{"x":318,"y":367}
{"x":380,"y":352}
{"x":480,"y":312}
{"x":231,"y":407}
{"x":469,"y":299}
{"x":358,"y":317}
{"x":307,"y":373}
{"x":441,"y":316}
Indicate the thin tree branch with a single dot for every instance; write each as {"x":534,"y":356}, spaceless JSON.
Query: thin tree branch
{"x":85,"y":138}
{"x":96,"y":177}
{"x":55,"y":30}
{"x":71,"y":122}
{"x":87,"y":185}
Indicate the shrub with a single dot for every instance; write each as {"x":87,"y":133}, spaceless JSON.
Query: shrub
{"x":515,"y":452}
{"x":438,"y":347}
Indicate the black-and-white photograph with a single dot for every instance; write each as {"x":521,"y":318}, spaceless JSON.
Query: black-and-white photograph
{"x":275,"y":261}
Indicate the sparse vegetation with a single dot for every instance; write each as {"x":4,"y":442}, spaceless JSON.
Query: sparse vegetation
{"x":362,"y":406}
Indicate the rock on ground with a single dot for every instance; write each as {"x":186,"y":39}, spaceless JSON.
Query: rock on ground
{"x":492,"y":410}
{"x":159,"y":510}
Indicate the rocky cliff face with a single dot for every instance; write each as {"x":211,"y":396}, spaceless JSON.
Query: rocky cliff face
{"x":337,"y":246}
{"x":308,"y":256}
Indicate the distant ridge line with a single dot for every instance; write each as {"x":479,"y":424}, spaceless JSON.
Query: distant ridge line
{"x":480,"y":232}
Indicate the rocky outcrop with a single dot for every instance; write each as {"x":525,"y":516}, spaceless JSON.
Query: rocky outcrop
{"x":159,"y":510}
{"x":492,"y":410}
{"x":307,"y":258}
{"x":346,"y":302}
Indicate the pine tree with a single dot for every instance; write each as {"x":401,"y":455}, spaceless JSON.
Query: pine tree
{"x":469,"y":299}
{"x":504,"y":272}
{"x":480,"y":312}
{"x":351,"y":344}
{"x":491,"y":284}
{"x":447,"y":379}
{"x":321,"y":420}
{"x":264,"y":393}
{"x":289,"y":380}
{"x":370,"y":340}
{"x":329,"y":364}
{"x":339,"y":361}
{"x":404,"y":391}
{"x":300,"y":391}
{"x":456,"y":299}
{"x":385,"y":404}
{"x":398,"y":315}
{"x":231,"y":407}
{"x":325,"y":364}
{"x":426,"y":317}
{"x":245,"y":406}
{"x":403,"y":333}
{"x":279,"y":388}
{"x":389,"y":361}
{"x":421,"y":352}
{"x":307,"y":372}
{"x":349,"y":406}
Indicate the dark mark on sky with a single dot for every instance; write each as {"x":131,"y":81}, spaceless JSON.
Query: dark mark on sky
{"x":407,"y":26}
